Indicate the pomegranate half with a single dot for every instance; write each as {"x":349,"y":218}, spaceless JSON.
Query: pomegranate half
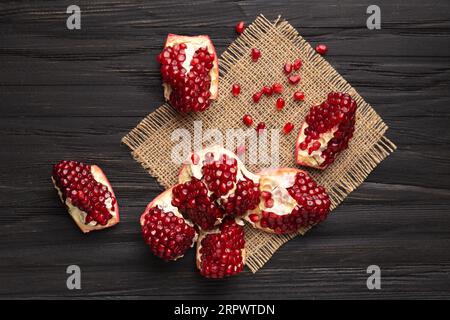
{"x":190,"y":72}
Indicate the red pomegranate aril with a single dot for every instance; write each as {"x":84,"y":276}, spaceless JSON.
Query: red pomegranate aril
{"x":248,"y":120}
{"x":257,"y":96}
{"x":260,"y":127}
{"x":236,"y":89}
{"x":267,"y":90}
{"x":288,"y":127}
{"x":195,"y":158}
{"x":299,"y":96}
{"x":254,"y":218}
{"x":287,"y":68}
{"x":280,"y":103}
{"x":321,"y":49}
{"x":255,"y":54}
{"x":294,"y":79}
{"x":240,"y":26}
{"x":277,"y":88}
{"x":297,"y":64}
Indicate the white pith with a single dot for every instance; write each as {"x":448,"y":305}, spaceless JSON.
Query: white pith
{"x":79,"y":216}
{"x":315,"y":158}
{"x":193,"y":44}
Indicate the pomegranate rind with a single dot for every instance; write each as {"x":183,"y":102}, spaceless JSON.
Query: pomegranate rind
{"x":305,"y":160}
{"x":79,"y":216}
{"x":198,"y":42}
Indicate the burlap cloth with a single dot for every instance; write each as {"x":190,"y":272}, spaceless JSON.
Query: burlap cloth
{"x":279,"y":42}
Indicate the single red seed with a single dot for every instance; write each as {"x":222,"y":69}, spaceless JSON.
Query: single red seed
{"x":195,"y":158}
{"x":240,"y":26}
{"x":287,"y":67}
{"x":254,"y":217}
{"x":321,"y":49}
{"x":294,"y":79}
{"x":257,"y":96}
{"x":248,"y":120}
{"x":255,"y":54}
{"x":297,"y":64}
{"x":266,"y":195}
{"x":267,"y":90}
{"x":260,"y":127}
{"x":288,"y":127}
{"x":280,"y":103}
{"x":236,"y":89}
{"x":277,"y":88}
{"x":299,"y":96}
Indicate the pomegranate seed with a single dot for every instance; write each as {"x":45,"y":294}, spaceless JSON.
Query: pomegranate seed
{"x":268,"y":203}
{"x":294,"y":79}
{"x":321,"y":49}
{"x":236,"y":89}
{"x":280,"y":104}
{"x":195,"y":158}
{"x":248,"y":120}
{"x":277,"y":88}
{"x":288,"y":127}
{"x":297,"y":64}
{"x":257,"y":96}
{"x":254,"y":217}
{"x":266,"y":195}
{"x":240,"y":26}
{"x":260,"y":127}
{"x":299,"y":96}
{"x":267,"y":90}
{"x":287,"y":68}
{"x":255,"y":54}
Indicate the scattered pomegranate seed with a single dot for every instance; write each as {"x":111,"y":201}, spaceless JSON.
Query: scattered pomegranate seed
{"x":260,"y":127}
{"x":195,"y":158}
{"x":287,"y":68}
{"x":288,"y":127}
{"x":248,"y":120}
{"x":240,"y":26}
{"x":255,"y":54}
{"x":267,"y":90}
{"x":277,"y":88}
{"x":257,"y":96}
{"x":299,"y":96}
{"x":280,"y":104}
{"x":297,"y":64}
{"x":294,"y":79}
{"x":236,"y":89}
{"x":321,"y":49}
{"x":254,"y":217}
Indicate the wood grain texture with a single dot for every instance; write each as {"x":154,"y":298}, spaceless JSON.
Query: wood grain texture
{"x":74,"y":94}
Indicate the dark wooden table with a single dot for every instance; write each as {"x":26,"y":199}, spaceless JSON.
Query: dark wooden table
{"x":74,"y":94}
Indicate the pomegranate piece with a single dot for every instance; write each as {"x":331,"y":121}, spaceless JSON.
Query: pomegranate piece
{"x":247,"y":119}
{"x":240,"y":26}
{"x":87,"y":194}
{"x":257,"y":96}
{"x":297,"y":64}
{"x":299,"y":96}
{"x":190,"y":72}
{"x":294,"y":79}
{"x":235,"y":89}
{"x":260,"y":127}
{"x":326,"y":131}
{"x":280,"y":103}
{"x":165,"y":231}
{"x":277,"y":88}
{"x":290,"y":200}
{"x":192,"y":199}
{"x":255,"y":54}
{"x":321,"y":49}
{"x":221,"y":253}
{"x":288,"y":127}
{"x":287,"y":68}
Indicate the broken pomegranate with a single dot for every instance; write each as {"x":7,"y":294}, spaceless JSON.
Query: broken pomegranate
{"x":326,"y":131}
{"x":87,"y":194}
{"x":165,"y":230}
{"x":290,"y":200}
{"x":190,"y":72}
{"x":221,"y":253}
